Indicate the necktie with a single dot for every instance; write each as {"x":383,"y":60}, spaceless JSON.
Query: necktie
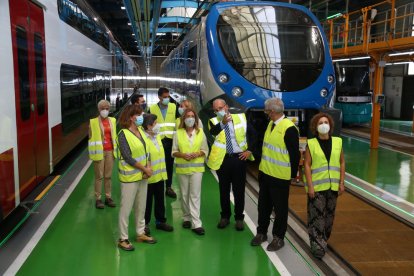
{"x":273,"y":126}
{"x":229,"y":146}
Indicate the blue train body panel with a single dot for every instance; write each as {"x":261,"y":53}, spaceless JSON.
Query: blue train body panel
{"x":255,"y":96}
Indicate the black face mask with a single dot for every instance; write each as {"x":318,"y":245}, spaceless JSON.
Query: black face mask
{"x":144,"y":106}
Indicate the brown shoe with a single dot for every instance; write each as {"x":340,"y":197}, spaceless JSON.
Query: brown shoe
{"x":276,"y":244}
{"x":223,"y":223}
{"x":109,"y":202}
{"x":170,"y":193}
{"x":125,"y":245}
{"x":258,"y":239}
{"x":239,"y":225}
{"x":144,"y":238}
{"x":99,"y":204}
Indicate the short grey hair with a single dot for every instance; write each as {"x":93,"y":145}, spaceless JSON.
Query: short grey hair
{"x":220,"y":100}
{"x":101,"y":103}
{"x":275,"y":104}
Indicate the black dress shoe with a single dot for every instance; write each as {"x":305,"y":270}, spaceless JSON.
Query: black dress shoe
{"x":239,"y":225}
{"x":258,"y":239}
{"x":147,"y":231}
{"x":164,"y":226}
{"x":276,"y":244}
{"x":199,"y":231}
{"x":170,"y":193}
{"x":223,"y":223}
{"x":318,"y":253}
{"x":186,"y":224}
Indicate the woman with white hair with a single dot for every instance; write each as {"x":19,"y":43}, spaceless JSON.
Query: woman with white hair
{"x":101,"y":146}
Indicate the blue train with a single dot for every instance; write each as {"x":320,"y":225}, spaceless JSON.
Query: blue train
{"x":353,"y":93}
{"x":247,"y":52}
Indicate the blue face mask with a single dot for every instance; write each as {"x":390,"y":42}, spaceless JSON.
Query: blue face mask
{"x":139,"y":120}
{"x":165,"y":101}
{"x":181,"y":110}
{"x":144,"y":106}
{"x":220,"y":114}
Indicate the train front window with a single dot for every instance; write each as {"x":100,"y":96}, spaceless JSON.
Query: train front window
{"x":277,"y":48}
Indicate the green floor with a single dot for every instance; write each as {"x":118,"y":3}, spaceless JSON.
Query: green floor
{"x":82,"y":241}
{"x":403,"y":127}
{"x":387,"y":169}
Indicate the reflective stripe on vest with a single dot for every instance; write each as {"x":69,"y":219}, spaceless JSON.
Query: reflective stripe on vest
{"x":167,"y":125}
{"x":157,"y":155}
{"x":325,"y":175}
{"x":183,"y":166}
{"x":128,"y":173}
{"x":95,"y":144}
{"x":275,"y":156}
{"x":218,"y":149}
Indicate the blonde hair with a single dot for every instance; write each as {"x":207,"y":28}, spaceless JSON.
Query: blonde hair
{"x":103,"y":103}
{"x":188,"y":104}
{"x":182,"y":124}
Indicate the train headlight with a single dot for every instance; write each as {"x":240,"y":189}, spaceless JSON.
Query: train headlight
{"x":223,"y":78}
{"x":330,"y":79}
{"x":237,"y":91}
{"x":324,"y":92}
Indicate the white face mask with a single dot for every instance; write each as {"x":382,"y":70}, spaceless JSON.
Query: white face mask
{"x":181,"y":110}
{"x":323,"y":128}
{"x":165,"y":101}
{"x":104,"y":113}
{"x":156,"y":129}
{"x":189,"y":122}
{"x":220,"y":114}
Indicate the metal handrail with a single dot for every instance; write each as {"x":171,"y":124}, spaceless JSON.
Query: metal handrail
{"x":357,"y":29}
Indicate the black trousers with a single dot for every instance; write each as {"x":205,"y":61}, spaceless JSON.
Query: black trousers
{"x":169,"y":160}
{"x":273,"y":195}
{"x":232,"y":174}
{"x":155,"y":191}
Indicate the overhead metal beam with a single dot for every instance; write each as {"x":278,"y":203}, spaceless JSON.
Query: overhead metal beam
{"x":176,"y":19}
{"x":181,"y":4}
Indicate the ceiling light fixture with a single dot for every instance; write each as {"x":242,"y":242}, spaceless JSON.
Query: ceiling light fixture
{"x":353,"y":58}
{"x":401,"y":54}
{"x":358,"y":58}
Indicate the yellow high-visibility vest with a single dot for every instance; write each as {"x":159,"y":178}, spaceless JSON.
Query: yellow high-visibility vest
{"x":325,"y":175}
{"x":157,"y":156}
{"x":167,"y":125}
{"x":183,"y":166}
{"x":128,"y":173}
{"x":95,"y":143}
{"x":275,"y":156}
{"x":218,"y":149}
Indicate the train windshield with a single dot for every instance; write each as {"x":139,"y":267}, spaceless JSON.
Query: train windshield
{"x":277,"y":48}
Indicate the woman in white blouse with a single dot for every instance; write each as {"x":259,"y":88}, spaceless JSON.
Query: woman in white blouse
{"x":190,"y":149}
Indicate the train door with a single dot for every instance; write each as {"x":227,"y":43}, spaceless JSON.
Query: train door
{"x":29,"y":58}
